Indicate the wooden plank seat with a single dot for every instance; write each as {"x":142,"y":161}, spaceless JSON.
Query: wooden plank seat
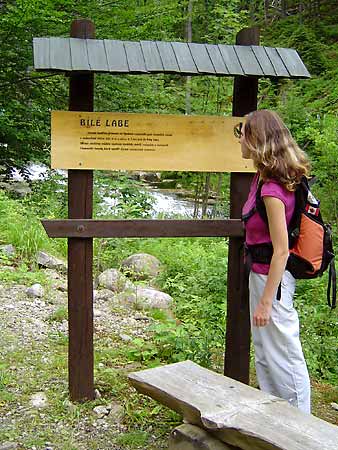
{"x":233,"y":412}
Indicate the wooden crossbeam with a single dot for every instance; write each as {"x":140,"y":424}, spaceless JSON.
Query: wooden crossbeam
{"x":89,"y":228}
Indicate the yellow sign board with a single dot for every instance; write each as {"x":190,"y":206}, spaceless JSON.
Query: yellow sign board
{"x":126,"y":141}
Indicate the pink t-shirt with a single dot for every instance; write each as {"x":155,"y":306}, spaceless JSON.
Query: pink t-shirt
{"x":257,"y":231}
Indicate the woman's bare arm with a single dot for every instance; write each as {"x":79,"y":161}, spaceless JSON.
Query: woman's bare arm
{"x":275,"y":210}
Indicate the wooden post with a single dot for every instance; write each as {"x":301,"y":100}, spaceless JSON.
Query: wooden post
{"x":237,"y":351}
{"x":80,"y":251}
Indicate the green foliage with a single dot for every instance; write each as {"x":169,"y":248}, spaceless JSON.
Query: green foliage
{"x":25,"y":98}
{"x":125,"y":194}
{"x":5,"y":382}
{"x":4,"y":377}
{"x":318,"y":134}
{"x":302,"y":37}
{"x":325,"y":165}
{"x":20,"y":227}
{"x":48,"y":198}
{"x":23,"y":274}
{"x":309,"y":107}
{"x":195,"y":276}
{"x":20,"y":219}
{"x":217,"y":21}
{"x":59,"y":315}
{"x":133,"y":439}
{"x":6,"y":260}
{"x":319,"y":329}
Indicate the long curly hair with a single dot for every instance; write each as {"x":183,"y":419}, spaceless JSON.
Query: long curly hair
{"x":274,"y":152}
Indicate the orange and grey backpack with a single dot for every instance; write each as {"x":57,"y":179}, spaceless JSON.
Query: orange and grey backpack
{"x":310,"y":240}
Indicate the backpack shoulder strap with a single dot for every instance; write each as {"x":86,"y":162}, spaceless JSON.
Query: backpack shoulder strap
{"x":332,"y":283}
{"x":246,"y":217}
{"x":260,"y":205}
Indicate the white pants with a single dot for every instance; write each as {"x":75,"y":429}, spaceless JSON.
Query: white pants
{"x":280,"y":366}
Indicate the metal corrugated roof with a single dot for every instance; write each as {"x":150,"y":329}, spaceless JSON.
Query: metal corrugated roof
{"x":117,"y":57}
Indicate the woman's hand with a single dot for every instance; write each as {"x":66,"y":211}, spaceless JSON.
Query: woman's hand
{"x":262,"y":314}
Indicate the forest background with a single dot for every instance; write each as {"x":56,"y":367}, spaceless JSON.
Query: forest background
{"x":195,"y":269}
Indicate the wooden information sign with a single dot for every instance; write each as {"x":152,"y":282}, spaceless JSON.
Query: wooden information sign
{"x":126,"y":141}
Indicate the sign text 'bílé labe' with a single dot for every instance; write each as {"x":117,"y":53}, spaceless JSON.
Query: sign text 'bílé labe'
{"x":127,"y":141}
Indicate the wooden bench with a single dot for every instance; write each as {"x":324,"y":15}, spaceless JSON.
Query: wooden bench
{"x":231,"y":413}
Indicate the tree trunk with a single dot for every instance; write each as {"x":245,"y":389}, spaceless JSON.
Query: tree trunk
{"x":218,"y":195}
{"x":189,"y":39}
{"x":206,"y":195}
{"x":266,"y":10}
{"x":300,"y":14}
{"x":198,"y":190}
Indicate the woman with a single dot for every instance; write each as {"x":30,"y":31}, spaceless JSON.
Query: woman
{"x":280,"y":365}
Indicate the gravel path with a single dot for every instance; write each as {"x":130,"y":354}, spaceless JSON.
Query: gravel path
{"x":29,"y":323}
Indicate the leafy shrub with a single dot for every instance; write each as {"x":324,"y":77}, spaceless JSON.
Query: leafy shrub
{"x":319,"y":329}
{"x":125,"y":195}
{"x":195,"y":276}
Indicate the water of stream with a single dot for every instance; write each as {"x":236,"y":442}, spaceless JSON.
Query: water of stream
{"x":165,"y":201}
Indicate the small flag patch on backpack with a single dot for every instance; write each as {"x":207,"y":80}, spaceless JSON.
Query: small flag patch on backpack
{"x":312,"y":210}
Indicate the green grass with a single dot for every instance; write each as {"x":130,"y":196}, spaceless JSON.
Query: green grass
{"x":23,"y":274}
{"x":21,"y":227}
{"x":133,"y":439}
{"x":59,"y":315}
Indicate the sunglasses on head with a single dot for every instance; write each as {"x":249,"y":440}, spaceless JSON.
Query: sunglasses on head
{"x":238,"y":130}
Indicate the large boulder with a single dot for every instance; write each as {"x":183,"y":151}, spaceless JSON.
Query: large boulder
{"x":152,"y":298}
{"x":43,"y":259}
{"x":114,"y":280}
{"x":149,"y":176}
{"x":146,"y":297}
{"x":141,"y":266}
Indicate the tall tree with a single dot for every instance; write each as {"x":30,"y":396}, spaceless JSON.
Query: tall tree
{"x":189,"y":39}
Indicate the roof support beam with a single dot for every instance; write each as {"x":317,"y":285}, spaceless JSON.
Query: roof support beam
{"x":80,"y":251}
{"x":237,"y":348}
